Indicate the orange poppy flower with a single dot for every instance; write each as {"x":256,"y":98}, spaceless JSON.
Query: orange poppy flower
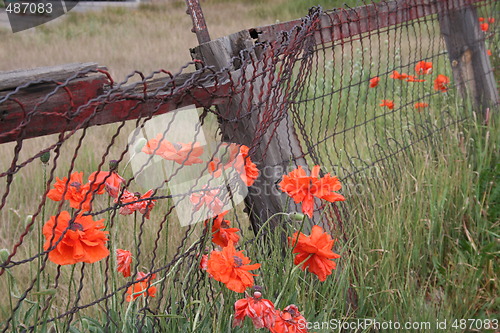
{"x":303,"y":188}
{"x":261,"y":311}
{"x":146,"y":206}
{"x":421,"y":105}
{"x":83,"y":240}
{"x":128,"y":199}
{"x":251,"y":173}
{"x":222,"y":233}
{"x":209,"y":199}
{"x":182,"y":153}
{"x":318,"y":248}
{"x":232,"y":268}
{"x":484,"y":26}
{"x":412,"y":78}
{"x":78,"y":194}
{"x":441,"y":83}
{"x":123,"y":261}
{"x":142,"y":288}
{"x":290,"y":320}
{"x":109,"y":180}
{"x":215,"y":167}
{"x":155,"y":146}
{"x":204,"y":262}
{"x":388,"y":103}
{"x":423,"y":67}
{"x":397,"y":76}
{"x":238,"y":159}
{"x":374,"y":82}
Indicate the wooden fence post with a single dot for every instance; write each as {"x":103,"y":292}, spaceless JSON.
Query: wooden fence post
{"x":467,"y":53}
{"x":260,"y":96}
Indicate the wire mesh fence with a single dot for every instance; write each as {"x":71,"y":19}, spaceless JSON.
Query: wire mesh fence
{"x":180,"y":149}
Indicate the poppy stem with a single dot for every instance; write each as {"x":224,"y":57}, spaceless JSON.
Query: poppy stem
{"x":297,"y":266}
{"x":289,"y":276}
{"x":298,"y":233}
{"x":267,"y":222}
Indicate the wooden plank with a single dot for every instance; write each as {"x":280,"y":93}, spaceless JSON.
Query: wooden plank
{"x":263,"y":122}
{"x":472,"y":71}
{"x":16,"y":78}
{"x":347,"y":23}
{"x":38,"y":117}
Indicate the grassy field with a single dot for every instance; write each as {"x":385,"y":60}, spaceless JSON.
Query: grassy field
{"x":422,"y":239}
{"x":147,"y":39}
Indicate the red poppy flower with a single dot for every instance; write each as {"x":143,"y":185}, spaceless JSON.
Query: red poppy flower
{"x":441,"y":83}
{"x":421,"y":105}
{"x":423,"y":67}
{"x":303,"y":188}
{"x":84,"y":240}
{"x":232,"y":268}
{"x":204,"y":262}
{"x":318,"y":248}
{"x":128,"y":199}
{"x":374,"y":82}
{"x":412,"y":78}
{"x":146,"y":206}
{"x":488,"y":52}
{"x":182,"y":153}
{"x":251,"y":173}
{"x":260,"y":310}
{"x":109,"y":180}
{"x":397,"y":76}
{"x":222,"y":233}
{"x":209,"y":199}
{"x":491,"y":20}
{"x":388,"y":103}
{"x":290,"y":320}
{"x":481,"y":19}
{"x":238,"y":159}
{"x":484,"y":26}
{"x":155,"y":146}
{"x":215,"y":167}
{"x":78,"y":194}
{"x":142,"y":288}
{"x":123,"y":261}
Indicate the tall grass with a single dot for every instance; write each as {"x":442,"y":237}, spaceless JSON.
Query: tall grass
{"x":421,"y":248}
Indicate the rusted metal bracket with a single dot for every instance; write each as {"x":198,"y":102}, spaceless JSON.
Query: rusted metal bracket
{"x":199,"y":23}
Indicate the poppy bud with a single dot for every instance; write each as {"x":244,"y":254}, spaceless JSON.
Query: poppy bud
{"x":4,"y":254}
{"x":45,"y":157}
{"x":140,"y":144}
{"x":296,"y":217}
{"x":113,"y":165}
{"x":28,"y":220}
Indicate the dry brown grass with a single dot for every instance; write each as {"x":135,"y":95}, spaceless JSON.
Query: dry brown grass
{"x":123,"y":39}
